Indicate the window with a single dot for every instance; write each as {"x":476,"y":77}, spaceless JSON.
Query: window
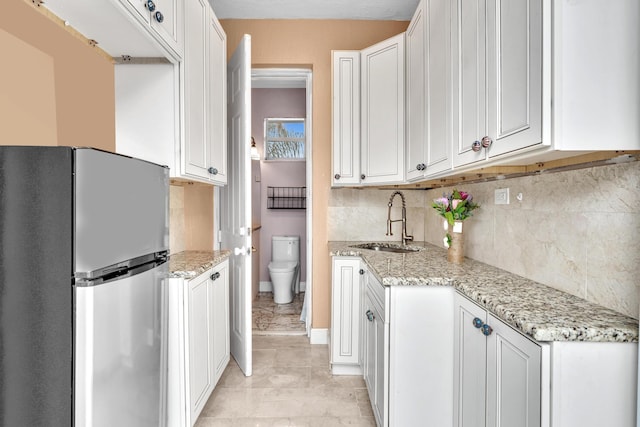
{"x":284,"y":139}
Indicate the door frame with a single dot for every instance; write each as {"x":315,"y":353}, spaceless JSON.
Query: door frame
{"x":279,"y":78}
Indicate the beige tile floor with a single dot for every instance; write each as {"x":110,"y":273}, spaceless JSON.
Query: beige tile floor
{"x":291,"y":385}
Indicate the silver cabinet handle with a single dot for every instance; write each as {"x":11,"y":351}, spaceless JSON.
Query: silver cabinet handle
{"x":370,"y":315}
{"x":215,"y":276}
{"x":159,"y":16}
{"x":361,"y":271}
{"x":362,"y":176}
{"x":336,"y":176}
{"x":476,"y":146}
{"x":213,"y":171}
{"x":486,"y":142}
{"x":150,"y":5}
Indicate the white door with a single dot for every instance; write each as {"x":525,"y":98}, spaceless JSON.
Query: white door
{"x":235,"y":202}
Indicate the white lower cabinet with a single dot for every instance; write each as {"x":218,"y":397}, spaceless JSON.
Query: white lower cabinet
{"x":503,"y":378}
{"x":198,"y":341}
{"x":346,"y":302}
{"x":376,"y":351}
{"x":432,"y":357}
{"x":497,"y":371}
{"x":408,"y":354}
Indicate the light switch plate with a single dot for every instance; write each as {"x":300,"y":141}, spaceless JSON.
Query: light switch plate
{"x":502,"y":196}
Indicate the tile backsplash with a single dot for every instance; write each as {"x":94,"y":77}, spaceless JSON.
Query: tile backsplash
{"x":577,"y":231}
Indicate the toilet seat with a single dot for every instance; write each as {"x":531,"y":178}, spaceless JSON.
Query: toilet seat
{"x":282,"y":266}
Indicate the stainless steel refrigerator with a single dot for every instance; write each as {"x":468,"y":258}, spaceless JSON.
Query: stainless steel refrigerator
{"x":83,"y":258}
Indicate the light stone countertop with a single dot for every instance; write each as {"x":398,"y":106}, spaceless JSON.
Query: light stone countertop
{"x":539,"y":311}
{"x":189,"y":264}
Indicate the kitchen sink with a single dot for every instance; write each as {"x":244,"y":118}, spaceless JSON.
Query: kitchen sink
{"x":388,"y":247}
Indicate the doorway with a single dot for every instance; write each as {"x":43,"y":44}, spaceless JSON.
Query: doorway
{"x":273,"y":81}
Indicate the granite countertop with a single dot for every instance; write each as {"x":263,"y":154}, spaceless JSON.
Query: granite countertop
{"x":189,"y":264}
{"x":539,"y":311}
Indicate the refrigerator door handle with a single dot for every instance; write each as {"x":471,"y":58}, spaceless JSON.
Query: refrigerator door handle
{"x":125,"y":269}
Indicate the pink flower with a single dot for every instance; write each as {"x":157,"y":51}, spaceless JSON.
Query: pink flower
{"x":454,"y":203}
{"x":442,"y":201}
{"x":464,"y":195}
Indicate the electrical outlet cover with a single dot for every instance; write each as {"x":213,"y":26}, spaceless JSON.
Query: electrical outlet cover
{"x":502,"y":196}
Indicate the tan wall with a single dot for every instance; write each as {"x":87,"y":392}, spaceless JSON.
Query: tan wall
{"x":190,"y":217}
{"x":308,"y":44}
{"x":54,"y":89}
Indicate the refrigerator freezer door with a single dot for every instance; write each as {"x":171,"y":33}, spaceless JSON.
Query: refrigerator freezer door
{"x":120,"y":369}
{"x":122,"y":207}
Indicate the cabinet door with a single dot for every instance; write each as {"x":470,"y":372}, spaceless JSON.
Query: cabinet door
{"x":416,"y":141}
{"x":346,"y":117}
{"x":469,"y":79}
{"x":220,"y":318}
{"x":438,"y":127}
{"x":514,"y":64}
{"x":382,"y":113}
{"x":470,"y":365}
{"x":195,"y":154}
{"x":200,"y":371}
{"x":375,"y":359}
{"x":364,"y":278}
{"x":217,"y":100}
{"x":166,"y":21}
{"x":497,"y":77}
{"x":513,"y":377}
{"x":429,"y":92}
{"x":345,"y":313}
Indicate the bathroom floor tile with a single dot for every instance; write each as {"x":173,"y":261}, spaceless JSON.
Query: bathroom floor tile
{"x":271,"y":318}
{"x":291,"y":386}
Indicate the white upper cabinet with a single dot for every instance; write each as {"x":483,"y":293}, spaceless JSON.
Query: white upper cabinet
{"x":368,"y":91}
{"x":164,"y":18}
{"x":345,"y":80}
{"x":217,"y":102}
{"x":136,"y":28}
{"x":382,"y":112}
{"x":203,"y":151}
{"x":497,"y":64}
{"x":595,"y":75}
{"x":429,"y":91}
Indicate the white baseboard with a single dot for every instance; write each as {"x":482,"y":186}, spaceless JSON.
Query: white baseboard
{"x":319,"y":336}
{"x":268,"y":287}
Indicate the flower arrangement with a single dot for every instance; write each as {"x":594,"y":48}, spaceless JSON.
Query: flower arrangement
{"x":456,"y":206}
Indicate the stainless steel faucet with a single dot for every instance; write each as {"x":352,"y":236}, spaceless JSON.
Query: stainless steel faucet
{"x":405,"y":238}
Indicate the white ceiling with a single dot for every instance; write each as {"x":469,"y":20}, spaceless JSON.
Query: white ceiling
{"x":388,"y":10}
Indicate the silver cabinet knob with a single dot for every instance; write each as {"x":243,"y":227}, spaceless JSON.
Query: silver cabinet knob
{"x":159,"y":16}
{"x":336,"y":176}
{"x":486,"y":142}
{"x":478,"y":323}
{"x":361,"y":271}
{"x":362,"y":176}
{"x":370,"y":315}
{"x":213,"y":171}
{"x":215,"y":276}
{"x":476,"y":146}
{"x":150,"y":5}
{"x":421,"y":166}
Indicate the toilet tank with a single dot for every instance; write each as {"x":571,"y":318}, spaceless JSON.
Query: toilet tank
{"x":285,"y":248}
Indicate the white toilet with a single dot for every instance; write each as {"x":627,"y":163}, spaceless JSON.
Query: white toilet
{"x":284,"y":267}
